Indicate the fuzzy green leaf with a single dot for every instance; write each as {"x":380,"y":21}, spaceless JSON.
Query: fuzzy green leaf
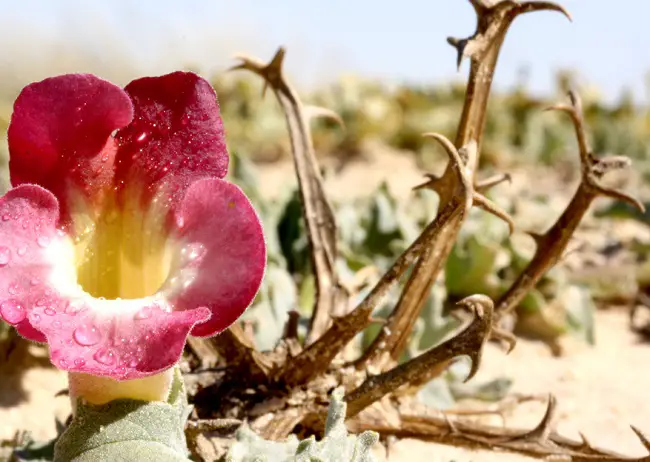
{"x":128,"y":430}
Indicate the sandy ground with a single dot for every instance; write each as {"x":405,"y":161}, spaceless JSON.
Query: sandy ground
{"x":601,"y":390}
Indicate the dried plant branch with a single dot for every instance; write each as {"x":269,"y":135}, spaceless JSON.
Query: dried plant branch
{"x":421,"y":368}
{"x":552,"y":244}
{"x":239,"y":352}
{"x":542,"y":441}
{"x":317,"y":357}
{"x":493,"y":21}
{"x":317,"y":212}
{"x":399,"y":324}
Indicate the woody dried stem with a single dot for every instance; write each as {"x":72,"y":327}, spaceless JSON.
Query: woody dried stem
{"x":482,"y":48}
{"x":375,"y":375}
{"x":317,"y":211}
{"x":552,"y":244}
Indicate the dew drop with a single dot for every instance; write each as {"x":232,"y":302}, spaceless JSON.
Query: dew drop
{"x":87,"y":335}
{"x":6,"y":217}
{"x":21,"y":251}
{"x":79,"y":362}
{"x":63,"y":363}
{"x":71,"y":309}
{"x":133,"y":362}
{"x":13,"y":289}
{"x":41,"y":302}
{"x":105,"y":356}
{"x":144,"y":313}
{"x":12,"y":311}
{"x":49,"y":311}
{"x":5,"y":256}
{"x":34,"y":282}
{"x":36,"y":318}
{"x":43,"y":241}
{"x":141,"y":137}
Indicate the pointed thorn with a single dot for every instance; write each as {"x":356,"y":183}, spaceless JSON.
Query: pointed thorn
{"x":475,"y":357}
{"x":585,"y":442}
{"x":278,"y":59}
{"x":313,"y":112}
{"x":459,"y":45}
{"x":265,"y":87}
{"x":537,"y":237}
{"x":432,"y":183}
{"x":528,"y":7}
{"x":621,"y":196}
{"x":449,"y":147}
{"x":506,"y":337}
{"x":486,"y":204}
{"x":642,"y":437}
{"x":493,"y":181}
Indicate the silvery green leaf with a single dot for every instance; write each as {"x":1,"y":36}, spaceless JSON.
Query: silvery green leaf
{"x":128,"y":430}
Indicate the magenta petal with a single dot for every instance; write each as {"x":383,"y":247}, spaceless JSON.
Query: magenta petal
{"x":59,"y":135}
{"x":118,"y":343}
{"x":225,"y":253}
{"x":176,"y":136}
{"x":28,"y":218}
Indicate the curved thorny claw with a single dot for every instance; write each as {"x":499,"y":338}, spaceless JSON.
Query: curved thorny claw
{"x":488,"y":183}
{"x":552,"y":244}
{"x":480,"y":329}
{"x":271,"y":71}
{"x":493,"y":20}
{"x":486,"y":204}
{"x":410,"y":376}
{"x":447,"y":186}
{"x":593,"y":168}
{"x":315,"y":112}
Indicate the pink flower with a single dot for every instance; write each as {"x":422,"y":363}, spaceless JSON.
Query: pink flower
{"x":120,"y":238}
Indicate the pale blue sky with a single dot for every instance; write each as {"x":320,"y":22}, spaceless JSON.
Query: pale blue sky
{"x":390,"y":39}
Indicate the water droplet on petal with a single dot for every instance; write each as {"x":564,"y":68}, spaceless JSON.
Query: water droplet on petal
{"x":79,"y":362}
{"x":141,"y":137}
{"x":13,"y":289}
{"x":71,"y":309}
{"x":6,"y":217}
{"x":34,"y":281}
{"x":36,"y":318}
{"x":43,"y":241}
{"x":133,"y":362}
{"x":5,"y":256}
{"x":49,"y":311}
{"x":12,"y":311}
{"x":21,"y":251}
{"x":144,"y":313}
{"x":105,"y":356}
{"x":87,"y":335}
{"x":63,"y":363}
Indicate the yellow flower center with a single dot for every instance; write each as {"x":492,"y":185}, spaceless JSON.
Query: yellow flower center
{"x":125,"y":253}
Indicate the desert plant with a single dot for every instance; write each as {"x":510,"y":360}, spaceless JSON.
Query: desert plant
{"x":283,"y":391}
